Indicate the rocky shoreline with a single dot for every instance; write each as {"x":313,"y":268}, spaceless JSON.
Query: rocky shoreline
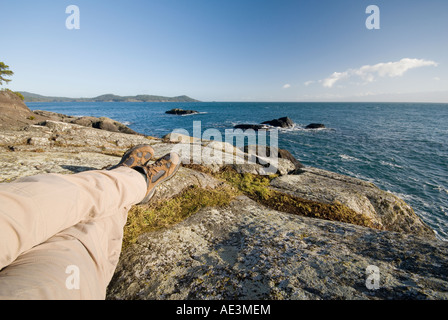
{"x":244,"y":249}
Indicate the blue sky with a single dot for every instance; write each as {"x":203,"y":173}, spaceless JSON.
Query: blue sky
{"x":232,"y":50}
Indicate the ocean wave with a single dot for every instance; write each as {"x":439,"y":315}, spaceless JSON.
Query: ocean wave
{"x":294,"y":128}
{"x":389,"y":164}
{"x":421,"y":206}
{"x":348,"y":158}
{"x":357,"y":175}
{"x":192,"y":114}
{"x":297,"y":127}
{"x":441,"y":189}
{"x":301,"y":129}
{"x":405,"y":197}
{"x":440,"y":234}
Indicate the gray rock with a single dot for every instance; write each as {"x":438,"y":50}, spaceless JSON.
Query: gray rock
{"x":38,"y":141}
{"x":266,"y":151}
{"x":14,"y":114}
{"x":245,"y":251}
{"x":61,"y":147}
{"x":183,"y":179}
{"x":265,"y":166}
{"x":385,"y":209}
{"x":25,"y":163}
{"x":111,"y":125}
{"x":102,"y":123}
{"x":57,"y":125}
{"x":215,"y":155}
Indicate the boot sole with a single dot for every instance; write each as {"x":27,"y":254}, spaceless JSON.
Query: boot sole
{"x":120,"y":164}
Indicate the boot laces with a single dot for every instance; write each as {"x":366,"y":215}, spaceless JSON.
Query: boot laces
{"x":154,"y":168}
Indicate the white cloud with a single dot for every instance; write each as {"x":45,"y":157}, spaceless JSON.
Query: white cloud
{"x":286,"y":86}
{"x":307,"y":83}
{"x":369,"y":73}
{"x":336,"y":76}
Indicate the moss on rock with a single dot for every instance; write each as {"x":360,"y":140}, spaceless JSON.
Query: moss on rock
{"x":257,"y":187}
{"x":165,"y":213}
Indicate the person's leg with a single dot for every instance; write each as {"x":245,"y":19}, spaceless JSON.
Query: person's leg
{"x":77,"y":263}
{"x":35,"y":209}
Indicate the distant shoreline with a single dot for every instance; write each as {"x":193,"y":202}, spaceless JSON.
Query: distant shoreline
{"x":32,"y":97}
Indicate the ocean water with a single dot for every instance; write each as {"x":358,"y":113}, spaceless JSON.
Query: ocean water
{"x":400,"y":147}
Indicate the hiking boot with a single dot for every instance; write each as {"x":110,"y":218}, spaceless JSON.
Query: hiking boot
{"x":136,"y":156}
{"x":160,"y":171}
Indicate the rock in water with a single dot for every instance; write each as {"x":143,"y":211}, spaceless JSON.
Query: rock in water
{"x":251,"y":126}
{"x":284,"y":122}
{"x":177,"y":111}
{"x":315,"y":126}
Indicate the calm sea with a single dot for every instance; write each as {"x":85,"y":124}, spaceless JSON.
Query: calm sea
{"x":400,"y":147}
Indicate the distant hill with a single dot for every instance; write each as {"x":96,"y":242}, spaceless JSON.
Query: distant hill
{"x":32,"y":97}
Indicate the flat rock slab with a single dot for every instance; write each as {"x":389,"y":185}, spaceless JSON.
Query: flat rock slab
{"x":183,"y":179}
{"x":385,"y":209}
{"x":246,"y":251}
{"x":21,"y":164}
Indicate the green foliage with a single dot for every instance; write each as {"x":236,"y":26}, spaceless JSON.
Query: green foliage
{"x":154,"y":216}
{"x":19,"y":95}
{"x":254,"y":185}
{"x":16,"y":93}
{"x":4,"y":71}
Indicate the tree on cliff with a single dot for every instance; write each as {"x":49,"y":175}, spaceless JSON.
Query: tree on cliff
{"x":4,"y":71}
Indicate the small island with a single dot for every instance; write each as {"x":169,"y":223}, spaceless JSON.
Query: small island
{"x":177,"y":111}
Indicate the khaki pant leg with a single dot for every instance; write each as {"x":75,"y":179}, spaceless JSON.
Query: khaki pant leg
{"x":61,"y":235}
{"x":77,"y":263}
{"x":34,"y":209}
